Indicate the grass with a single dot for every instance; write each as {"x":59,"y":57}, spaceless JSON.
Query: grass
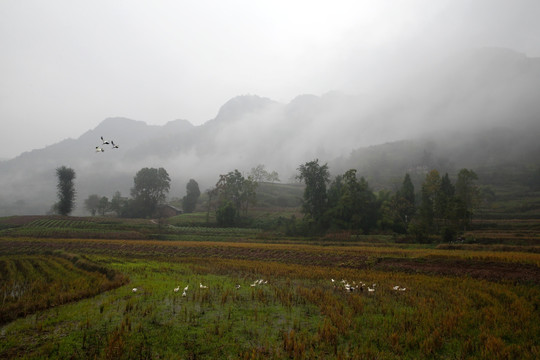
{"x":461,"y":301}
{"x":298,"y":314}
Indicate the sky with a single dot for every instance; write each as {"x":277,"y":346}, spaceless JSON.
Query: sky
{"x":66,"y":65}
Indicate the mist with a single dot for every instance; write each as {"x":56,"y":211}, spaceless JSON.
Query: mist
{"x":67,"y":66}
{"x":203,"y":89}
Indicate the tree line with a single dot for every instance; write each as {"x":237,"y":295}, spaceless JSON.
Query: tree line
{"x":440,"y":210}
{"x":230,"y":198}
{"x":149,"y":191}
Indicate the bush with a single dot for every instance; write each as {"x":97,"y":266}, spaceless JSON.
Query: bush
{"x":448,"y":234}
{"x":226,"y":215}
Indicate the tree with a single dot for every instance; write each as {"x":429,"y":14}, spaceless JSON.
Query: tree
{"x":103,"y":205}
{"x":273,"y":177}
{"x":151,"y":187}
{"x":405,"y":202}
{"x":192,"y":195}
{"x":445,"y":209}
{"x":259,"y":174}
{"x":239,"y":191}
{"x":316,"y":177}
{"x":468,"y":194}
{"x":91,"y":204}
{"x":66,"y":190}
{"x":430,"y":189}
{"x":444,"y":200}
{"x":117,"y":203}
{"x":352,"y":205}
{"x":407,"y":190}
{"x":226,"y":214}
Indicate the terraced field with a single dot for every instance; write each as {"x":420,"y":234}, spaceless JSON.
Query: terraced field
{"x":269,"y":298}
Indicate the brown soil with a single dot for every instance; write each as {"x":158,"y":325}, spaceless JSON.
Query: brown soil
{"x":488,"y":270}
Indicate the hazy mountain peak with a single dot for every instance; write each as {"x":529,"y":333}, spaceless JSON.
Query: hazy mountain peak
{"x":241,"y":105}
{"x":119,"y":121}
{"x":178,"y":125}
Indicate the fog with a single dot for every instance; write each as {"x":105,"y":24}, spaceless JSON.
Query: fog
{"x":66,"y":66}
{"x":268,"y":82}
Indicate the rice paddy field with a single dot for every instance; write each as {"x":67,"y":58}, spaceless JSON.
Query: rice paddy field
{"x":247,"y":294}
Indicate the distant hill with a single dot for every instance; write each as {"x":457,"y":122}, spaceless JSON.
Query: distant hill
{"x":472,"y":110}
{"x":497,"y":148}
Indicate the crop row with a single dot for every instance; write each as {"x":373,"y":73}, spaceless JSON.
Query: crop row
{"x":32,"y":282}
{"x":214,"y":230}
{"x":496,"y":265}
{"x":60,"y":223}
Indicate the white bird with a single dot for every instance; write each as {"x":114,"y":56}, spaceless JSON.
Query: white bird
{"x":134,"y":290}
{"x":98,"y":149}
{"x":114,"y":146}
{"x":177,"y":289}
{"x":185,"y":289}
{"x":396,"y":287}
{"x":104,"y":142}
{"x":237,"y":286}
{"x":370,"y":289}
{"x":203,"y":286}
{"x":402,"y":289}
{"x":254,"y":284}
{"x":333,"y":280}
{"x":184,"y":293}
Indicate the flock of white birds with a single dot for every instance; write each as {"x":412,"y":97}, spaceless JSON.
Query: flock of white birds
{"x":106,"y":142}
{"x":343,"y":284}
{"x":201,"y":286}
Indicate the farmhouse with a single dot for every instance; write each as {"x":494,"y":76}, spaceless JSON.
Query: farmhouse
{"x":166,"y":210}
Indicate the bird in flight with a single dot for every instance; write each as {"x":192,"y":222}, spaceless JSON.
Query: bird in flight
{"x":99,"y":149}
{"x":104,"y":141}
{"x":114,"y":146}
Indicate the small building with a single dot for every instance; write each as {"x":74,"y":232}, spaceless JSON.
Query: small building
{"x":167,"y":211}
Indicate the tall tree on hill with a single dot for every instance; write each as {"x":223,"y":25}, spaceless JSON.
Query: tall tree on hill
{"x":151,"y":187}
{"x":66,"y":191}
{"x":192,"y":195}
{"x":260,"y":174}
{"x":316,"y":177}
